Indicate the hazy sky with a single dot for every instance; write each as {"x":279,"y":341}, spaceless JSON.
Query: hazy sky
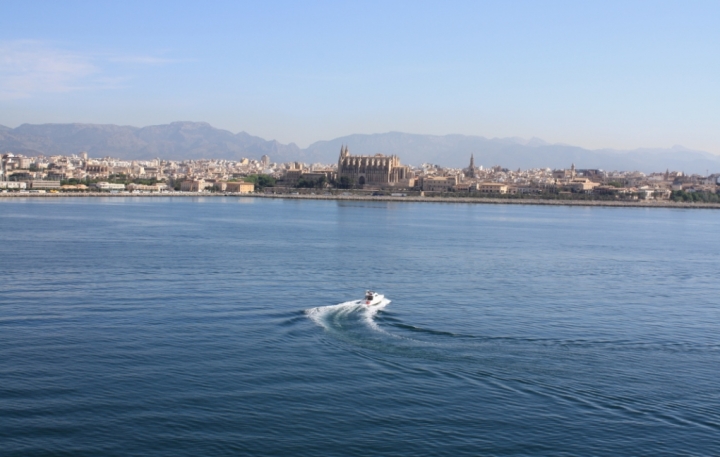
{"x":595,"y":74}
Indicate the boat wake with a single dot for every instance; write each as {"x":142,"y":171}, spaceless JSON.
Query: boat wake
{"x":346,"y":315}
{"x":505,"y":364}
{"x":355,"y":323}
{"x":352,"y":321}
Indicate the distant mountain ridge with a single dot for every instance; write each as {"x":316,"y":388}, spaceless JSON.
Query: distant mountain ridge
{"x":199,"y":140}
{"x":178,"y":140}
{"x":513,"y":153}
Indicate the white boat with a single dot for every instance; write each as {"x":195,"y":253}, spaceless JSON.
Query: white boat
{"x":372,"y":298}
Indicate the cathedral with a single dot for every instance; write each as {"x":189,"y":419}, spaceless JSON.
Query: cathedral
{"x":469,"y":172}
{"x":375,"y":170}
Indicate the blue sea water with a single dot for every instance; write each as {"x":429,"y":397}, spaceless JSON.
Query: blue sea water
{"x":219,"y":326}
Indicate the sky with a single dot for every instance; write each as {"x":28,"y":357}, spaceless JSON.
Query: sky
{"x":597,"y":74}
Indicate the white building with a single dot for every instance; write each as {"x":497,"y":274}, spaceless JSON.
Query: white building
{"x":108,"y":186}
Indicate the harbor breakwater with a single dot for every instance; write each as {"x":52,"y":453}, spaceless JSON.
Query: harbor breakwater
{"x":386,"y":198}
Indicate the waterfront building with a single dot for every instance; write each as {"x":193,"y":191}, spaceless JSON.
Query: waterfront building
{"x":104,"y":186}
{"x":492,"y":188}
{"x":466,"y":187}
{"x":240,"y":187}
{"x":73,"y":187}
{"x":581,"y":185}
{"x":195,"y":185}
{"x":42,"y":184}
{"x":377,"y":170}
{"x":13,"y":185}
{"x":293,"y":175}
{"x":439,"y":183}
{"x":159,"y":187}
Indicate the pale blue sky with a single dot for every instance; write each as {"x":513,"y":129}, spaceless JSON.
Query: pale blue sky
{"x":595,"y":74}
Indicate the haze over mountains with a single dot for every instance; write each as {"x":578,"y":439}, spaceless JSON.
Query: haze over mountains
{"x":199,"y":140}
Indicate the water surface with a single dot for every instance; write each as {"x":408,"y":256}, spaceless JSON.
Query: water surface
{"x":176,"y":326}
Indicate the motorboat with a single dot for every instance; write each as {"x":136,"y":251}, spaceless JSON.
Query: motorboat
{"x":372,"y":298}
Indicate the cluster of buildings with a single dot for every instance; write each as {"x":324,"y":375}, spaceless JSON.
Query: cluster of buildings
{"x":78,"y":172}
{"x":386,"y":173}
{"x":498,"y":180}
{"x":370,"y":173}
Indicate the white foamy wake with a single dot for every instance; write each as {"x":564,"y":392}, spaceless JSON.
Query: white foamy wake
{"x":335,"y":317}
{"x":371,"y":311}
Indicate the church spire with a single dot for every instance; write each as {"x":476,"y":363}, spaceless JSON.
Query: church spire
{"x":470,"y":170}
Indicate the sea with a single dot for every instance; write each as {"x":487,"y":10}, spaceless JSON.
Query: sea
{"x":224,"y":326}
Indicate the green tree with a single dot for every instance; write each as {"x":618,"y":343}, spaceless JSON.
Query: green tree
{"x":343,"y":183}
{"x":261,"y":181}
{"x":311,"y":183}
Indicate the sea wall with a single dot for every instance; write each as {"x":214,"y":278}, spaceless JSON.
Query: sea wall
{"x":382,"y":198}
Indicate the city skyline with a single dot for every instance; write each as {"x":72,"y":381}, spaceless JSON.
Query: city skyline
{"x":618,"y":75}
{"x":372,"y":174}
{"x":189,"y":140}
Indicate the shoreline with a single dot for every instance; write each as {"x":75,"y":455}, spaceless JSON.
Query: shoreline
{"x":384,"y":198}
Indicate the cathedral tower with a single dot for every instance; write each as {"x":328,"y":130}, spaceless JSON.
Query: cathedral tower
{"x":470,"y":170}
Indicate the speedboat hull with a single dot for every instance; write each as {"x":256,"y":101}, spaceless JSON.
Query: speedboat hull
{"x":376,"y":300}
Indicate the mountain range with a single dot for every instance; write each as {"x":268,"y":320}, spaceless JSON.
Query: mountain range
{"x":199,"y":140}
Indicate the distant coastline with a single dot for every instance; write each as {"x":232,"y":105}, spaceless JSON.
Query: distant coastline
{"x":381,"y":198}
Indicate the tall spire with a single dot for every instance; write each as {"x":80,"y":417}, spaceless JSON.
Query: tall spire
{"x":470,"y":170}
